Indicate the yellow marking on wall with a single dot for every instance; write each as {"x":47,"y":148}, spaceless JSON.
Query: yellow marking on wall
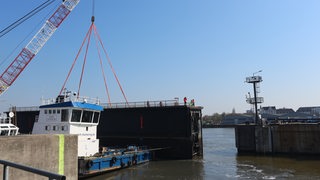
{"x":61,"y":154}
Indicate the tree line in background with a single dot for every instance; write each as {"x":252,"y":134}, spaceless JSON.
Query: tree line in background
{"x":213,"y":120}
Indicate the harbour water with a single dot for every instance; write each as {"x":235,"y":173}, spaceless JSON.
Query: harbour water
{"x":221,"y":161}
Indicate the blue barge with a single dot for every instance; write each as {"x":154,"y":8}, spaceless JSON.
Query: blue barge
{"x":112,"y":159}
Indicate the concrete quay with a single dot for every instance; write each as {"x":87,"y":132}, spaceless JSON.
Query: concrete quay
{"x":53,"y":153}
{"x":294,"y":138}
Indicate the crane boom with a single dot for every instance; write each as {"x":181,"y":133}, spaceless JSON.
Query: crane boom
{"x":35,"y":45}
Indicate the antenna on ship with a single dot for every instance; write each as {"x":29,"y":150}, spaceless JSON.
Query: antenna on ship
{"x":255,"y":80}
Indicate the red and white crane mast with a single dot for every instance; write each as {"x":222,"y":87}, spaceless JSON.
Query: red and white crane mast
{"x":35,"y":45}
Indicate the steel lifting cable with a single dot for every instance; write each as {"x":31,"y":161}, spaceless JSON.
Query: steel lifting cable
{"x":88,"y":37}
{"x":85,"y":59}
{"x":74,"y":61}
{"x":97,"y":36}
{"x":110,"y":64}
{"x":102,"y":69}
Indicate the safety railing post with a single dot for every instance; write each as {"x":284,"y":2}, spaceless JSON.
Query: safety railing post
{"x":5,"y":172}
{"x":49,"y":175}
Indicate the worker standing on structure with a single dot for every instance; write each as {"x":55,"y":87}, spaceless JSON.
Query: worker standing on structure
{"x":185,"y":101}
{"x":192,"y":102}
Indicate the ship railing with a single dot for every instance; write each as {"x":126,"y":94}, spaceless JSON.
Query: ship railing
{"x":49,"y":175}
{"x":64,"y":98}
{"x":161,"y":103}
{"x":24,"y":109}
{"x":5,"y":120}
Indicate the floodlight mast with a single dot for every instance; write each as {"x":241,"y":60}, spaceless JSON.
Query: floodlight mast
{"x":255,"y":80}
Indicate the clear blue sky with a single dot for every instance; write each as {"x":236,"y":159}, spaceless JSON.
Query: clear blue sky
{"x":162,"y":49}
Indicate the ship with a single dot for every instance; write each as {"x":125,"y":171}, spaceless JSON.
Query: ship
{"x":71,"y":114}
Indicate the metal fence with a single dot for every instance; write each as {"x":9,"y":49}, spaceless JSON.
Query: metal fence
{"x":159,"y":103}
{"x":163,"y":103}
{"x":49,"y":175}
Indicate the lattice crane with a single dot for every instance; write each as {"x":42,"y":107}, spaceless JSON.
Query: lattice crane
{"x":34,"y":46}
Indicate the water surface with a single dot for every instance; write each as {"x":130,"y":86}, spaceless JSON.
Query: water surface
{"x":221,"y":161}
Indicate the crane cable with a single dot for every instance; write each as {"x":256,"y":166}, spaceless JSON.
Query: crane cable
{"x":2,"y":61}
{"x":25,"y":17}
{"x":74,"y":62}
{"x":98,"y":41}
{"x":87,"y":40}
{"x":110,"y":64}
{"x":102,"y":69}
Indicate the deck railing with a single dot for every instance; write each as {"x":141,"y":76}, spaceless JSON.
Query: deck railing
{"x":64,"y":98}
{"x":19,"y":109}
{"x":5,"y":120}
{"x":49,"y":175}
{"x":162,"y":103}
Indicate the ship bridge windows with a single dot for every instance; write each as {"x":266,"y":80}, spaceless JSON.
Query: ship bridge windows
{"x":84,"y":116}
{"x":76,"y":115}
{"x":87,"y":116}
{"x":96,"y":117}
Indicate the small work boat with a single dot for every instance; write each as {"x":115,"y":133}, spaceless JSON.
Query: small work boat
{"x":6,"y":126}
{"x":71,"y":114}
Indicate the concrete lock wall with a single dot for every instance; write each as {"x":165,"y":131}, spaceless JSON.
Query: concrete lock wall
{"x":53,"y":153}
{"x":245,"y":138}
{"x":296,"y":138}
{"x":264,"y":139}
{"x":284,"y":138}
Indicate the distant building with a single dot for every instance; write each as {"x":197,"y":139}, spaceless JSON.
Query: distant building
{"x":314,"y":111}
{"x":233,"y":119}
{"x":273,"y":115}
{"x":284,"y":111}
{"x":274,"y":111}
{"x":268,"y":110}
{"x":269,"y":117}
{"x":295,"y":116}
{"x":250,"y":111}
{"x":303,"y":114}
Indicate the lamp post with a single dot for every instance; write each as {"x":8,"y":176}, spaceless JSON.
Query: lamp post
{"x":257,"y":72}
